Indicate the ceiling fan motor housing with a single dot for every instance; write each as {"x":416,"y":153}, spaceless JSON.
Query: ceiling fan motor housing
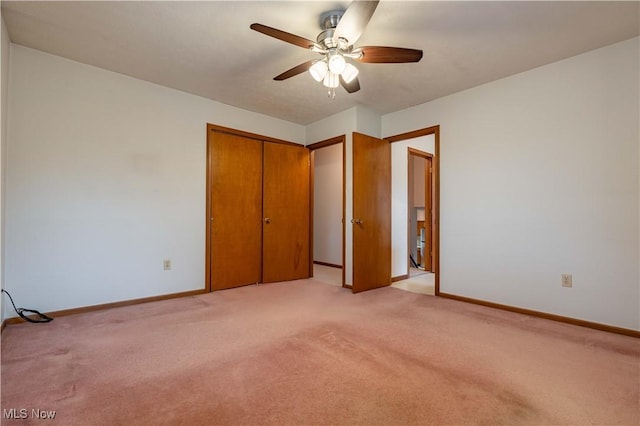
{"x":330,"y":19}
{"x":328,"y":23}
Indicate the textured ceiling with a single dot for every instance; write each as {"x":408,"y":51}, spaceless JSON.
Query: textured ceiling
{"x":207,"y":48}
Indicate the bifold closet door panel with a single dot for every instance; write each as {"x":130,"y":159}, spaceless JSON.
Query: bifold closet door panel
{"x":236,"y":211}
{"x":286,"y":212}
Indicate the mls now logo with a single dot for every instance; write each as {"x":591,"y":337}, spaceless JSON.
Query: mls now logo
{"x":23,"y":413}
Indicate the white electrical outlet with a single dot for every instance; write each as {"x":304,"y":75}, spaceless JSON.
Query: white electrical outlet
{"x":167,"y":264}
{"x":567,"y":280}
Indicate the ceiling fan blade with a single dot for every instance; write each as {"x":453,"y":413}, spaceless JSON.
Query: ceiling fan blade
{"x":284,"y":36}
{"x":389,"y":55}
{"x":354,"y":21}
{"x":298,"y":69}
{"x":354,"y":86}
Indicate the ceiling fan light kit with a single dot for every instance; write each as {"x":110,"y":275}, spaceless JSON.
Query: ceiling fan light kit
{"x":336,"y":63}
{"x":349,"y":73}
{"x":331,"y":82}
{"x":319,"y":70}
{"x":340,"y":31}
{"x":329,"y":71}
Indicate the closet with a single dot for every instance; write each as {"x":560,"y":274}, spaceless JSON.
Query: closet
{"x":258,"y":209}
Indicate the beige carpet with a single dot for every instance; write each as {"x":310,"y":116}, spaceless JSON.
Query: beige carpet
{"x":307,"y":353}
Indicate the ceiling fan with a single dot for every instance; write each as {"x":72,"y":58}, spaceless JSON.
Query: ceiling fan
{"x":340,"y":31}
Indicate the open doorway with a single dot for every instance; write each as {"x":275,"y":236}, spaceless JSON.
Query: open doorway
{"x":420,"y":211}
{"x":327,"y":177}
{"x":415,"y":231}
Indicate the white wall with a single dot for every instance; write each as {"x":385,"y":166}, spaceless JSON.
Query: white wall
{"x":368,"y":122}
{"x":400,"y":200}
{"x":327,"y":205}
{"x":539,"y":177}
{"x":5,"y":48}
{"x":107,"y":179}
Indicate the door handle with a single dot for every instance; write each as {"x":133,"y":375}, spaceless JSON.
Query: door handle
{"x":267,"y":220}
{"x":356,"y":221}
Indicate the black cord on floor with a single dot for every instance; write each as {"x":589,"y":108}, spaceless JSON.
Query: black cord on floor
{"x":40,"y":317}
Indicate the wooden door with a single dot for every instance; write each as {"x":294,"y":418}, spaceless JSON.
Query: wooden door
{"x":236,"y":210}
{"x":428,"y":215}
{"x":371,"y":213}
{"x":286,"y":208}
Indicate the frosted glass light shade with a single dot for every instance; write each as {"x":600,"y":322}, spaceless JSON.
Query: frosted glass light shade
{"x":350,"y":72}
{"x":331,"y":80}
{"x":318,"y":70}
{"x":336,"y":64}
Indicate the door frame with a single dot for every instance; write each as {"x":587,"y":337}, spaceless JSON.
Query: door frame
{"x":428,"y":179}
{"x":433,"y":130}
{"x":312,"y":147}
{"x":210,"y":129}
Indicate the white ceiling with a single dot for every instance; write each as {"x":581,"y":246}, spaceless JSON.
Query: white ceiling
{"x":207,"y":48}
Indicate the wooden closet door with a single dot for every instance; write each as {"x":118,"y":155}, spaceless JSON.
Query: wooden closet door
{"x":286,"y":200}
{"x":236,"y":210}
